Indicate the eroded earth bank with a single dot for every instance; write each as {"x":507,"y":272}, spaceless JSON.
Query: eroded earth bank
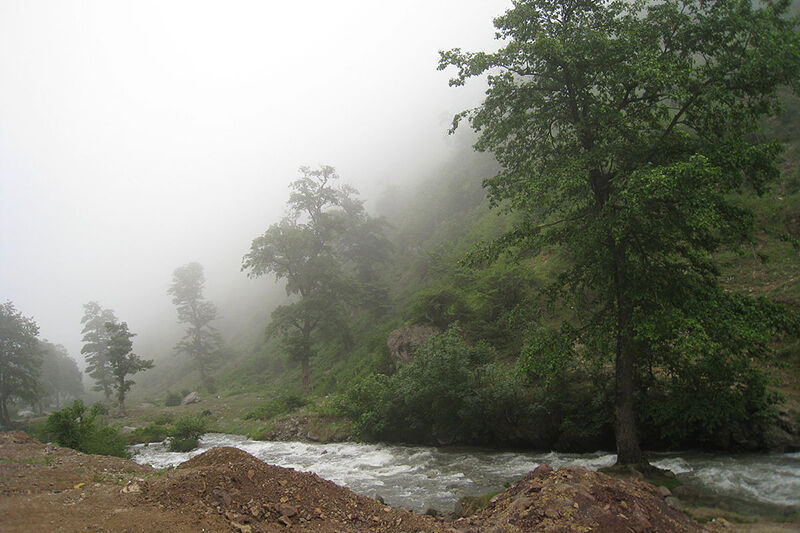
{"x":48,"y":488}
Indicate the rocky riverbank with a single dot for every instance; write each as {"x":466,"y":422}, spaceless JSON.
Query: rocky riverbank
{"x":47,"y":488}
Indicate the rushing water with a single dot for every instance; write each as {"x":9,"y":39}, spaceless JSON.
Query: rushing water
{"x":418,"y":477}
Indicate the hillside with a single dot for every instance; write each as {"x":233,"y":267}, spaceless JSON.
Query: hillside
{"x":432,"y":226}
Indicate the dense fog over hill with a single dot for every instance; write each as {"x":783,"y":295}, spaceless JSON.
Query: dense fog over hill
{"x":135,"y":138}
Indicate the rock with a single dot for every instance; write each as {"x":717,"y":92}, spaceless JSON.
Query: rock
{"x":128,"y":429}
{"x":242,"y":528}
{"x":672,"y":501}
{"x":131,"y":488}
{"x":287,"y":510}
{"x":542,"y":470}
{"x":777,"y":439}
{"x":403,"y":341}
{"x":192,"y":397}
{"x":664,"y":491}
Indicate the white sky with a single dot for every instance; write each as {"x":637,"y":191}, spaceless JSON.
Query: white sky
{"x":137,"y":136}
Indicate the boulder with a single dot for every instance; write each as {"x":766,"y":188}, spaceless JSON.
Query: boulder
{"x":192,"y":397}
{"x":403,"y":341}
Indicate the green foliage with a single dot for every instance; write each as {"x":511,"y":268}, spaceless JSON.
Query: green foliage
{"x":81,"y":429}
{"x":201,"y":342}
{"x":95,"y":347}
{"x":278,"y":406}
{"x":173,"y":399}
{"x":122,"y":362}
{"x":186,"y":433}
{"x":328,"y":251}
{"x":60,"y":378}
{"x":153,"y":432}
{"x":622,"y":129}
{"x":450,"y":392}
{"x":20,"y":360}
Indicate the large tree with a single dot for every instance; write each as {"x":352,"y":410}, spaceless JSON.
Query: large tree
{"x":201,"y":341}
{"x":95,"y":347}
{"x":623,"y":129}
{"x":313,"y":250}
{"x":20,"y":359}
{"x":122,"y":362}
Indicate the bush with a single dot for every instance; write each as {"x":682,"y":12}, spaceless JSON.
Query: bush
{"x":434,"y":398}
{"x":163,"y":419}
{"x":186,"y":433}
{"x":80,"y":428}
{"x":173,"y":399}
{"x":278,"y":406}
{"x":152,"y":433}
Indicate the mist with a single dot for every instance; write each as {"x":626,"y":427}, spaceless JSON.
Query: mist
{"x":138,"y":137}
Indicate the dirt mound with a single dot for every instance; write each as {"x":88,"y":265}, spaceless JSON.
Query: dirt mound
{"x":254,"y":496}
{"x":23,"y":457}
{"x":574,"y":499}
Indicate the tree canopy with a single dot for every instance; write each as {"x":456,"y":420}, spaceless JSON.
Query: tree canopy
{"x":326,"y":250}
{"x":201,"y":341}
{"x":622,"y":129}
{"x":122,"y":362}
{"x":95,"y":347}
{"x":20,"y":359}
{"x":60,"y":378}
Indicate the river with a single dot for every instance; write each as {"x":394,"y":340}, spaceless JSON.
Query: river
{"x":417,"y":477}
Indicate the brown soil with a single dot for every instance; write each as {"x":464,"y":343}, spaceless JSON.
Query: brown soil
{"x":574,"y":499}
{"x":47,"y":488}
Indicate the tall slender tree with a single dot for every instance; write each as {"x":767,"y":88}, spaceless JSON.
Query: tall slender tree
{"x":623,"y":129}
{"x":20,"y":359}
{"x":122,"y":362}
{"x":201,"y":341}
{"x":95,"y":347}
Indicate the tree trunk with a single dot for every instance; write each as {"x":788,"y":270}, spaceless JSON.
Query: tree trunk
{"x":306,"y":374}
{"x":628,"y":451}
{"x":627,"y":439}
{"x":121,"y":395}
{"x":4,"y":418}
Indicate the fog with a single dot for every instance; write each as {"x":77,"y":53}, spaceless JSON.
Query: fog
{"x":136,"y":137}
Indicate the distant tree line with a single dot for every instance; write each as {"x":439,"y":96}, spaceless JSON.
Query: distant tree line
{"x":32,"y":372}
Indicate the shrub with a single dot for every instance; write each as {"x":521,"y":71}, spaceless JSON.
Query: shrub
{"x":434,"y":398}
{"x":151,"y":433}
{"x":186,"y":433}
{"x":80,"y":428}
{"x":163,"y":419}
{"x":278,"y":406}
{"x":173,"y":399}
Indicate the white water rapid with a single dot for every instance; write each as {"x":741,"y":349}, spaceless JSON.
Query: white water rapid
{"x":418,"y":477}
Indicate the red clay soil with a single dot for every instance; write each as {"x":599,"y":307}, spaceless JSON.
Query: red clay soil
{"x":47,"y":488}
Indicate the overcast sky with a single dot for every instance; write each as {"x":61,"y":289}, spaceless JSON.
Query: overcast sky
{"x":139,"y":136}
